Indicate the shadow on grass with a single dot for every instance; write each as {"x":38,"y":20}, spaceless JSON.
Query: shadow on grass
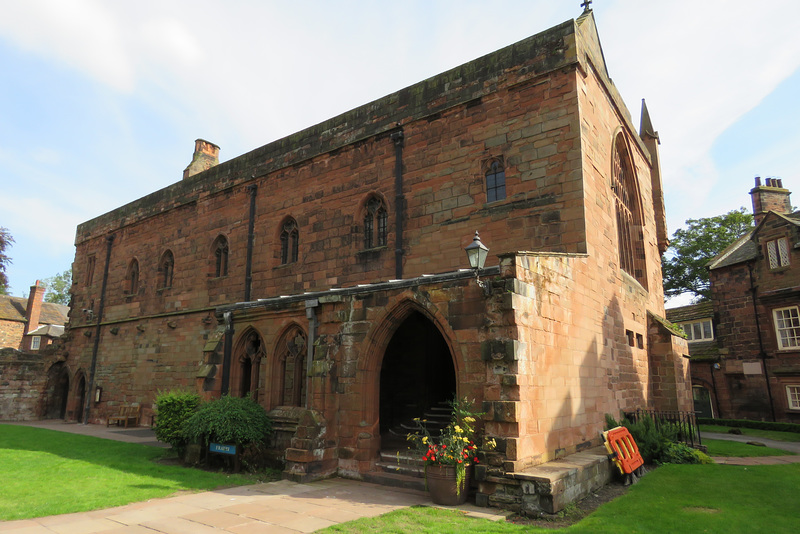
{"x":128,"y":457}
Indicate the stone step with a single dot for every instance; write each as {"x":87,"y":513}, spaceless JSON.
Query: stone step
{"x":412,"y":470}
{"x":401,"y":457}
{"x":395,"y":480}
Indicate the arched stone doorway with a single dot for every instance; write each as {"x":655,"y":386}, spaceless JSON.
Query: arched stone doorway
{"x":417,"y":375}
{"x":80,"y":398}
{"x":56,"y":392}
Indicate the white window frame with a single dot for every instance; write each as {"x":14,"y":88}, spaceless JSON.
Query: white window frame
{"x":36,"y":342}
{"x":778,"y":253}
{"x":787,"y":327}
{"x":793,"y":396}
{"x":693,"y":325}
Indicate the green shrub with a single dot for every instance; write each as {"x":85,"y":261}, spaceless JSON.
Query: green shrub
{"x":173,"y":408}
{"x":657,"y":445}
{"x":680,"y":453}
{"x":745,"y":423}
{"x":238,"y":420}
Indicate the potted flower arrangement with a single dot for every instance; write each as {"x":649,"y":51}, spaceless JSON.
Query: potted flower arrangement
{"x":448,"y":457}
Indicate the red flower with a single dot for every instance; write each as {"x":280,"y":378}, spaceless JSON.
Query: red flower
{"x":476,"y":459}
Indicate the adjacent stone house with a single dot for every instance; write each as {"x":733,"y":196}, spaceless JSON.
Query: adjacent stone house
{"x":30,"y":324}
{"x":751,"y":369}
{"x":29,"y":328}
{"x":324,"y":273}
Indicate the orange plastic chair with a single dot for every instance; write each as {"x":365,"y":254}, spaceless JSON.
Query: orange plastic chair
{"x":623,"y":450}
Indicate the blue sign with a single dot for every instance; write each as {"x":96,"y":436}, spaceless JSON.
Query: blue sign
{"x":222,"y":449}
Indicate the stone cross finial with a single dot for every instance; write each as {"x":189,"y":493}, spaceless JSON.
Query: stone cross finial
{"x":586,"y":5}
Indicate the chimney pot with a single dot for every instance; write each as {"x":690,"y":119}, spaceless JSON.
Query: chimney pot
{"x":206,"y":155}
{"x":780,"y":183}
{"x":758,"y":181}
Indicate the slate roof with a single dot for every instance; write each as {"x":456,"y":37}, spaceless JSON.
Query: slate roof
{"x":693,"y":312}
{"x":704,"y":351}
{"x":745,"y":248}
{"x":13,"y":309}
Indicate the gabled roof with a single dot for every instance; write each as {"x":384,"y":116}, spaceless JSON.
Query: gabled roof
{"x":693,"y":312}
{"x":746,"y":248}
{"x":13,"y":309}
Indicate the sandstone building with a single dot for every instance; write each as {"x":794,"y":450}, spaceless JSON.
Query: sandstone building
{"x":324,"y":273}
{"x":746,"y":357}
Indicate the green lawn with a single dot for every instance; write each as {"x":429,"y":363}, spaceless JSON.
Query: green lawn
{"x":45,"y":472}
{"x":722,"y":447}
{"x":673,"y":498}
{"x":754,"y":432}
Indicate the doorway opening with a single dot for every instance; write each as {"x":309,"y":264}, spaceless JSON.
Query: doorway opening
{"x":80,"y":395}
{"x":417,"y":380}
{"x":56,"y":392}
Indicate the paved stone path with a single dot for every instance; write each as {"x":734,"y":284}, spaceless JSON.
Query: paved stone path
{"x":274,"y":507}
{"x":791,"y":446}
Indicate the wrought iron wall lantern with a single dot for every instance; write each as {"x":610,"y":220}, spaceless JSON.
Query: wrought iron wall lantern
{"x":477,"y":253}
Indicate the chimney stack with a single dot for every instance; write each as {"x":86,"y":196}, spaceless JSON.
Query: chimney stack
{"x":206,"y":155}
{"x":34,"y":308}
{"x":770,"y":197}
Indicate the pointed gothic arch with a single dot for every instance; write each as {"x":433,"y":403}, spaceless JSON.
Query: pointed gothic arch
{"x":407,"y":318}
{"x":166,"y":268}
{"x":77,"y":403}
{"x":288,"y":368}
{"x":628,"y":209}
{"x":375,"y":217}
{"x":248,"y":353}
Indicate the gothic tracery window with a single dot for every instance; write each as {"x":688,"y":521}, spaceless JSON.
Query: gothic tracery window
{"x":290,"y":242}
{"x":132,"y":278}
{"x":629,"y":216}
{"x":165,"y":269}
{"x":375,"y":223}
{"x":220,"y":248}
{"x":291,"y":356}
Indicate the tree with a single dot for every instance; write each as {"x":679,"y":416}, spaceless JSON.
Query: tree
{"x":691,"y":248}
{"x":5,"y":243}
{"x":58,"y":288}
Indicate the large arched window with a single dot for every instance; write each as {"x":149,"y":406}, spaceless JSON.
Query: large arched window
{"x":290,"y":242}
{"x":166,"y":266}
{"x":220,"y":259}
{"x":248,"y":353}
{"x":132,"y":278}
{"x":629,"y":213}
{"x":288,"y":386}
{"x":375,"y":223}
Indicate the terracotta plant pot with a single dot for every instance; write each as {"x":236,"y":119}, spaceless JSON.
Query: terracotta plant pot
{"x":441,"y":480}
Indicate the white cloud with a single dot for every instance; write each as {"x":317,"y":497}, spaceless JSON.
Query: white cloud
{"x":83,"y":34}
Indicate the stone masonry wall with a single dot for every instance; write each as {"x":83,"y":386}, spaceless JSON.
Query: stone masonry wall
{"x":22,"y":380}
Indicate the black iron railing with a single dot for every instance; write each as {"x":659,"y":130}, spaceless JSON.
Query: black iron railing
{"x":686,"y":422}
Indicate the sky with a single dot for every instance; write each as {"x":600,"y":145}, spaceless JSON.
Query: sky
{"x":100,"y":102}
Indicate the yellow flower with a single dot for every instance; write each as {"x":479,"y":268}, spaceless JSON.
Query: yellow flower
{"x":469,"y":419}
{"x":424,"y":439}
{"x":457,"y":429}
